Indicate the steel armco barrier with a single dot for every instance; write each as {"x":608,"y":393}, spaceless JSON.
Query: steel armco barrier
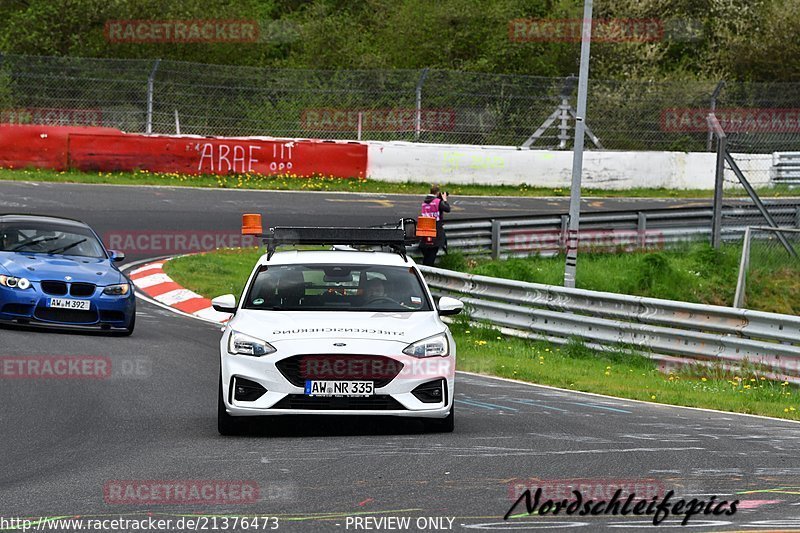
{"x":787,"y":167}
{"x":608,"y":231}
{"x":668,"y":331}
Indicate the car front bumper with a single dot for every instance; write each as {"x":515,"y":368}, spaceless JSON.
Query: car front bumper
{"x":283,"y":397}
{"x":30,"y":307}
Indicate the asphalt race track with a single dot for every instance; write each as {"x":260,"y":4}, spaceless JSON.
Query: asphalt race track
{"x":154,"y":416}
{"x":124,"y":211}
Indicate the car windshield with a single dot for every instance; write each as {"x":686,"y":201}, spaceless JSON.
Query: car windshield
{"x":336,"y":288}
{"x":48,"y":238}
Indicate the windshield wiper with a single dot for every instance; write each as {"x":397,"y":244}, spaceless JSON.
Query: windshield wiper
{"x":63,"y":249}
{"x":32,"y":240}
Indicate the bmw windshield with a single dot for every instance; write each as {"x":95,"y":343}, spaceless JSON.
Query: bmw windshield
{"x":48,"y":238}
{"x":319,"y":287}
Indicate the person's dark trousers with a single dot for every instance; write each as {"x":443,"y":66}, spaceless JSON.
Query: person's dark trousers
{"x":429,"y":254}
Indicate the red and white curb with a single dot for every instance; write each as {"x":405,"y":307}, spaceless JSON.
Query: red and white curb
{"x":157,"y":285}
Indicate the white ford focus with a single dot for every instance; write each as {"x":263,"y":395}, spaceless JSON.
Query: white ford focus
{"x":336,"y":332}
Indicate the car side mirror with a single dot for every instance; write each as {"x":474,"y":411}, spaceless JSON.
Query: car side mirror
{"x":225,"y":303}
{"x":116,"y":257}
{"x":449,"y":306}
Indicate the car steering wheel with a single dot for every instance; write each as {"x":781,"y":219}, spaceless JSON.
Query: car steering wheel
{"x":382,"y":299}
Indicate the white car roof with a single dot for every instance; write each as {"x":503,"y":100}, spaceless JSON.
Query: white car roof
{"x":292,"y":257}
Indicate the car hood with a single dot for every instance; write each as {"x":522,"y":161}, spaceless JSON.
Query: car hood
{"x":40,"y":267}
{"x":303,"y":325}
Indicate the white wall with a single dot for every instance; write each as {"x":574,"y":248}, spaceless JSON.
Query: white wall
{"x":444,"y":163}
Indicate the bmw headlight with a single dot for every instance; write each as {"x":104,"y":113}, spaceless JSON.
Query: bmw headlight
{"x":239,"y":343}
{"x":430,"y":347}
{"x":14,"y":283}
{"x":117,"y":290}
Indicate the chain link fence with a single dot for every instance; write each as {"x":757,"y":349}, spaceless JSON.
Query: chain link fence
{"x":767,"y":262}
{"x":434,"y":106}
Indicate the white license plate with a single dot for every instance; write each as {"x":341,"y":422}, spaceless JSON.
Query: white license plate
{"x":339,"y":388}
{"x":64,"y":303}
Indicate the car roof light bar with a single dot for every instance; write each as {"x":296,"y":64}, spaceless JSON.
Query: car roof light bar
{"x":392,"y":237}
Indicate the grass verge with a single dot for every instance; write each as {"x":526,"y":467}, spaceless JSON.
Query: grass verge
{"x":293,"y":183}
{"x":485,"y":350}
{"x":692,"y":273}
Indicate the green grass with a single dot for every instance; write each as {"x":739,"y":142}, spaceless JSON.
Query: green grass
{"x":485,"y":350}
{"x":622,"y":374}
{"x":290,"y":183}
{"x":214,"y":274}
{"x":694,"y":273}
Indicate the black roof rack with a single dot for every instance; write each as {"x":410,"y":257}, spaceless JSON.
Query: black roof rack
{"x":393,"y":235}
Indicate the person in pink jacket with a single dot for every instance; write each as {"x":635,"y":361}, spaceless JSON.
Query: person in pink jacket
{"x":434,"y":206}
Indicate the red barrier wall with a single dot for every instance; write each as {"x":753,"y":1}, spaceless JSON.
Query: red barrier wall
{"x":217,"y":155}
{"x":40,"y":146}
{"x":108,"y":149}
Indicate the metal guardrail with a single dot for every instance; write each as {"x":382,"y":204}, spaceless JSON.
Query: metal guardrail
{"x":608,"y":231}
{"x":787,"y":167}
{"x":668,"y":331}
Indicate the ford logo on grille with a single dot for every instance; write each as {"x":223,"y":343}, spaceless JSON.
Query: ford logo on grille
{"x":339,"y":344}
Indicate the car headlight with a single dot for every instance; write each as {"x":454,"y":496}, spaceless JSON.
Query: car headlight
{"x":14,"y":283}
{"x":239,"y":343}
{"x":117,"y":290}
{"x":430,"y":347}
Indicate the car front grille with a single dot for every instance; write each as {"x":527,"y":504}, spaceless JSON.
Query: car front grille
{"x":61,"y":288}
{"x":366,"y":403}
{"x":56,"y":288}
{"x":81,"y":290}
{"x":376,"y":368}
{"x":73,"y":316}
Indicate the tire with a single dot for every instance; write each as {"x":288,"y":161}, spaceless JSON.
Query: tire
{"x":441,"y":425}
{"x":227,"y":425}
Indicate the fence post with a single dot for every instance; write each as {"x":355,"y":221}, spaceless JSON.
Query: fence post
{"x":495,"y":239}
{"x":571,"y":261}
{"x":797,"y":217}
{"x":418,"y":117}
{"x":562,"y":242}
{"x":744,"y":264}
{"x":714,"y":96}
{"x":719,"y":181}
{"x":641,"y":228}
{"x":150,"y":80}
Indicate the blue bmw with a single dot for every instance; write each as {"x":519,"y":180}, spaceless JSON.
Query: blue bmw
{"x":55,"y":272}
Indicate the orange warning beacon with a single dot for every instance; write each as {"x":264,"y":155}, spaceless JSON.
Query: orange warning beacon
{"x":251,"y":224}
{"x":426,"y":227}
